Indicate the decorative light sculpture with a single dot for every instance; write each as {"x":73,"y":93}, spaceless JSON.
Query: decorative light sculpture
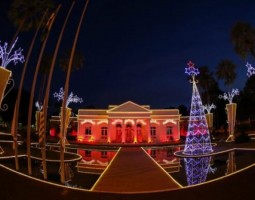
{"x":198,"y":138}
{"x":197,"y":169}
{"x":38,"y":116}
{"x":231,"y":112}
{"x":229,"y":95}
{"x":71,"y":98}
{"x":6,"y":57}
{"x":38,"y":106}
{"x":250,"y":70}
{"x":209,"y":115}
{"x":209,"y":107}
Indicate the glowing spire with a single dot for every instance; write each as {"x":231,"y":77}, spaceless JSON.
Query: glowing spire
{"x":7,"y":57}
{"x":71,"y":98}
{"x":229,"y":95}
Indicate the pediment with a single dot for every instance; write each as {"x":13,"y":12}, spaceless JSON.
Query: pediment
{"x":129,"y":106}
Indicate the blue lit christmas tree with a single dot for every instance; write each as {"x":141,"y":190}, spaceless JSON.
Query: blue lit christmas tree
{"x":198,"y":137}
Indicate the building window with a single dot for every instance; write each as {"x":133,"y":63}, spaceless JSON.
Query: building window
{"x":87,"y":153}
{"x":88,"y":130}
{"x":153,"y":153}
{"x":104,"y":132}
{"x":103,"y":154}
{"x":169,"y":130}
{"x":169,"y":133}
{"x":153,"y":131}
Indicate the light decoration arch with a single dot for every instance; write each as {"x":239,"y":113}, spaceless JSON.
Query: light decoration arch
{"x":116,"y":121}
{"x":88,"y":121}
{"x":169,"y":121}
{"x":141,"y":121}
{"x":153,"y":121}
{"x":129,"y":121}
{"x":104,"y":121}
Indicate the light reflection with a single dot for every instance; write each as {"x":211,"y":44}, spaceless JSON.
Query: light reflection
{"x":231,"y":163}
{"x":197,"y":169}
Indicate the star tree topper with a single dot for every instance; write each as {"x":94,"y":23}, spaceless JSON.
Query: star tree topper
{"x":191,"y":70}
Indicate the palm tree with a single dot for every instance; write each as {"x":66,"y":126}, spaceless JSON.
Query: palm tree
{"x":243,"y":39}
{"x":66,"y":89}
{"x":226,"y":71}
{"x":27,"y":14}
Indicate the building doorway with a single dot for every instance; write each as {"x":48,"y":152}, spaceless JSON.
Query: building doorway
{"x":129,"y":133}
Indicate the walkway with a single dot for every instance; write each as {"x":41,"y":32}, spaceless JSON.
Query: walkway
{"x":132,"y":170}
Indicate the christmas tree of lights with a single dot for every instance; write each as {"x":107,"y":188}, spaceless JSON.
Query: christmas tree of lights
{"x":198,"y":138}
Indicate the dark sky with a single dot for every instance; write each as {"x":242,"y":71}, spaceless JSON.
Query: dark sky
{"x":137,"y":49}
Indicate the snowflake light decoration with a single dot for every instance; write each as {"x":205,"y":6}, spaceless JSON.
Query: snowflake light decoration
{"x":250,"y":70}
{"x":229,"y":95}
{"x":191,"y":70}
{"x":7,"y":57}
{"x":71,"y":98}
{"x":208,"y":107}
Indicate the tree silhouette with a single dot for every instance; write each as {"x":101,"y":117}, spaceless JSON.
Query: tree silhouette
{"x":243,"y":39}
{"x":226,"y":71}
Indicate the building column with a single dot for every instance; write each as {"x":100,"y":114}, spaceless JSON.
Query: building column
{"x":123,"y":135}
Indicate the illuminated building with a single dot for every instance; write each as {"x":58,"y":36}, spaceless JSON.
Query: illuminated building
{"x":128,"y":123}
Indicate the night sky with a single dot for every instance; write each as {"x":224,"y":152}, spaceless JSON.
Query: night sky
{"x":137,"y":49}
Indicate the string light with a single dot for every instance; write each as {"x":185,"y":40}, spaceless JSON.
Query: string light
{"x":7,"y":56}
{"x":71,"y":98}
{"x":198,"y":138}
{"x":229,"y":95}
